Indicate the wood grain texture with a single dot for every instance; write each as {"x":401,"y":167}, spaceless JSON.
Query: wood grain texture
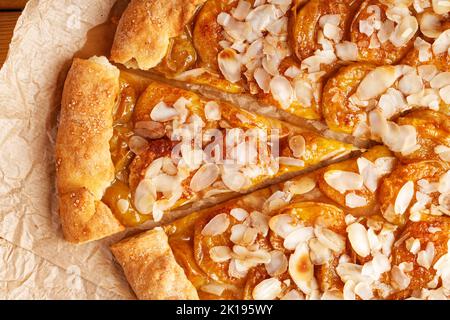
{"x":12,"y":4}
{"x":8,"y":21}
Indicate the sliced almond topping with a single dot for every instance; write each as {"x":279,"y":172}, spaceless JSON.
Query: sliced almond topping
{"x":425,"y":257}
{"x":260,"y":222}
{"x":304,"y":93}
{"x":242,"y":10}
{"x":320,"y":254}
{"x":444,"y":93}
{"x":364,"y":291}
{"x":298,"y":146}
{"x":278,"y":263}
{"x":444,"y":183}
{"x":343,"y":181}
{"x":243,"y":235}
{"x":357,"y":235}
{"x":262,"y":78}
{"x":386,"y":30}
{"x":352,"y":200}
{"x":413,"y":245}
{"x":283,"y":225}
{"x":293,"y":295}
{"x":376,"y":82}
{"x":300,"y":186}
{"x":330,"y":239}
{"x":410,"y":83}
{"x":440,"y":80}
{"x":430,"y":25}
{"x":399,"y":279}
{"x":301,"y":268}
{"x":347,"y":51}
{"x":204,"y":177}
{"x":145,"y":197}
{"x":239,"y":214}
{"x":349,"y":290}
{"x":292,"y":72}
{"x":123,"y":205}
{"x":220,"y":254}
{"x":234,"y":181}
{"x":230,"y":65}
{"x":427,"y":72}
{"x":291,"y":162}
{"x":212,"y":111}
{"x":282,"y":91}
{"x":166,"y":183}
{"x":297,"y":236}
{"x":162,"y":113}
{"x":333,"y":19}
{"x":217,"y":225}
{"x":442,"y":43}
{"x":350,"y":272}
{"x":268,"y":289}
{"x":404,"y":198}
{"x":441,"y":6}
{"x":404,"y":31}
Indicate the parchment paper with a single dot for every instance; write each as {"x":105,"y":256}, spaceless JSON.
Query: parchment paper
{"x":35,"y":261}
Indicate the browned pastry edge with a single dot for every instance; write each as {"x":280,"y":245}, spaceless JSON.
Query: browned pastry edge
{"x":145,"y":29}
{"x":151,"y":269}
{"x":83,"y":159}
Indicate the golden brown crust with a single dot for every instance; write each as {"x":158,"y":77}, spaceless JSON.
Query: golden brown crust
{"x":83,"y":158}
{"x":151,"y":269}
{"x":145,"y":30}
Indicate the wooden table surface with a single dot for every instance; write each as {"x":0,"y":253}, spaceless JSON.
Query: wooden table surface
{"x":9,"y":13}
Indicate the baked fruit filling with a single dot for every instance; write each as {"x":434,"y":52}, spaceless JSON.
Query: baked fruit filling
{"x":170,"y":147}
{"x":368,"y":228}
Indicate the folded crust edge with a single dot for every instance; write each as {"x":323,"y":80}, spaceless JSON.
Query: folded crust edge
{"x":84,"y":168}
{"x":151,"y":269}
{"x":145,"y":29}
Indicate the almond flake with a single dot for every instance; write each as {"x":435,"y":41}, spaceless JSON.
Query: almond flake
{"x":217,"y":225}
{"x":404,"y":198}
{"x":303,"y":234}
{"x":357,"y":235}
{"x":268,"y":289}
{"x":162,"y":113}
{"x":220,"y":254}
{"x":230,"y":65}
{"x":204,"y":177}
{"x":212,"y":111}
{"x":343,"y":181}
{"x":278,"y":263}
{"x":239,"y":214}
{"x":301,"y":268}
{"x":298,"y":145}
{"x":352,"y":200}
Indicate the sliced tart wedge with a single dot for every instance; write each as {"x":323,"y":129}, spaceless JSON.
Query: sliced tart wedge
{"x":130,"y":149}
{"x":293,"y":241}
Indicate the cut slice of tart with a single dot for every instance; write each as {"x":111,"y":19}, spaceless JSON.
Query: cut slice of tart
{"x":294,"y":241}
{"x":279,"y":52}
{"x":130,"y":149}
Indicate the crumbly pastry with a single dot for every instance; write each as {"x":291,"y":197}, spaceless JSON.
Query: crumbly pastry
{"x":151,"y":268}
{"x":372,"y":227}
{"x":83,"y":158}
